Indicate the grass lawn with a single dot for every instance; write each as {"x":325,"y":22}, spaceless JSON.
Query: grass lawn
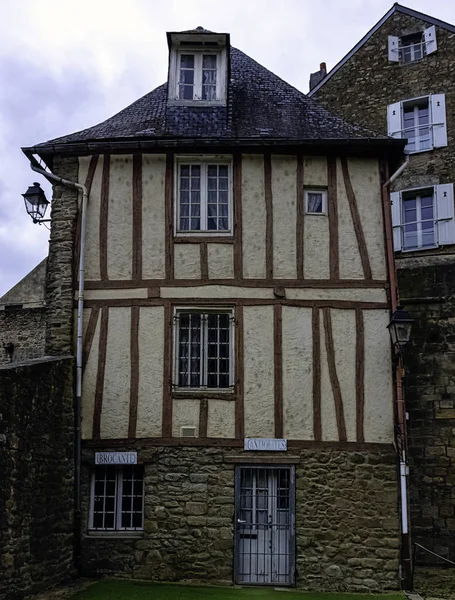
{"x":139,"y":590}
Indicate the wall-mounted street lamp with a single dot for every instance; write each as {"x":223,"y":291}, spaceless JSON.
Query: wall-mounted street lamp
{"x":36,"y":203}
{"x":400,"y":328}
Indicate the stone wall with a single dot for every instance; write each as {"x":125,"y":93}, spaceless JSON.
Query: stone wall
{"x":347,"y":531}
{"x":22,"y":334}
{"x":60,"y":266}
{"x":428,"y":293}
{"x":36,"y":477}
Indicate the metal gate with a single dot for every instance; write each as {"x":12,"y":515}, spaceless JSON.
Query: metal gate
{"x":264,"y":533}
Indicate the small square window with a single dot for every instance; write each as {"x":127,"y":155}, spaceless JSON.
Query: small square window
{"x":316,"y":202}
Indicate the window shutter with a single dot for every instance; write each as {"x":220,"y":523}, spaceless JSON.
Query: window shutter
{"x":395,"y":198}
{"x":438,"y":120}
{"x":445,"y":214}
{"x":430,"y":39}
{"x":394,"y":120}
{"x":394,"y":55}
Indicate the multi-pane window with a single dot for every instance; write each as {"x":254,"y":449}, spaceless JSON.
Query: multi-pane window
{"x":203,"y":197}
{"x":204,"y":346}
{"x":411,"y":48}
{"x":416,"y":126}
{"x":198,"y":76}
{"x":117,"y":498}
{"x":418,"y":220}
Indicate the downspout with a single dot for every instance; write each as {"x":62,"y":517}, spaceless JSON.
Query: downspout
{"x":401,"y":413}
{"x":35,"y":166}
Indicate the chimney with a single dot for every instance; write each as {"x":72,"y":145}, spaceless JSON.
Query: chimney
{"x":315,"y":78}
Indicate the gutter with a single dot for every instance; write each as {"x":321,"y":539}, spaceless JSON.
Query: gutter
{"x":51,"y":177}
{"x":399,"y":371}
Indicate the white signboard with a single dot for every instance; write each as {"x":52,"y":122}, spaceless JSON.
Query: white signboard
{"x":115,"y":458}
{"x":270,"y":444}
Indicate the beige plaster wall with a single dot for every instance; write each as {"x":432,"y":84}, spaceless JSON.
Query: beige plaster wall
{"x":253,"y":216}
{"x":151,"y":363}
{"x":116,"y":391}
{"x":153,"y":216}
{"x":185,"y":413}
{"x":350,"y":263}
{"x":92,"y":232}
{"x":187,"y":261}
{"x":258,"y":371}
{"x":297,"y":373}
{"x":221,"y":419}
{"x":120,"y":218}
{"x":316,"y":227}
{"x":365,"y":181}
{"x":89,"y":382}
{"x":284,"y":198}
{"x":328,"y":414}
{"x":378,"y":378}
{"x":220,"y":261}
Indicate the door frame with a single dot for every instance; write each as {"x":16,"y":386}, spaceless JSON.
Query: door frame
{"x":292,"y":537}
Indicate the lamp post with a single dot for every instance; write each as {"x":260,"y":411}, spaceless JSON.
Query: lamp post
{"x":400,"y":328}
{"x":36,"y":203}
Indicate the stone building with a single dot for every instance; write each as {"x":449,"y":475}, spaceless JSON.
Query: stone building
{"x":237,"y":392}
{"x":400,"y":79}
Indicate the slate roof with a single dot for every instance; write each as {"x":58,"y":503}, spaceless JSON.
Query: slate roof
{"x":261,"y":106}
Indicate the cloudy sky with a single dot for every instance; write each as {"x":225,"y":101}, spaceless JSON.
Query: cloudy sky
{"x":68,"y":65}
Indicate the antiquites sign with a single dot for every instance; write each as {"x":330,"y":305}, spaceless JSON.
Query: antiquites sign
{"x":270,"y":444}
{"x":115,"y":458}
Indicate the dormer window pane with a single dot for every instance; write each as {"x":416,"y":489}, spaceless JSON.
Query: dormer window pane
{"x":186,"y":79}
{"x":209,"y":77}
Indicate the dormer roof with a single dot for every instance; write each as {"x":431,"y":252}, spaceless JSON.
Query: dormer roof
{"x":262,"y":109}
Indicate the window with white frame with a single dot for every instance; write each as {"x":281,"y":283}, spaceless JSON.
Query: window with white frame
{"x":204,"y":348}
{"x":316,"y":202}
{"x":423,"y":218}
{"x":422,"y":121}
{"x":117,"y":498}
{"x":204,"y":193}
{"x":198,"y":76}
{"x":412,"y":47}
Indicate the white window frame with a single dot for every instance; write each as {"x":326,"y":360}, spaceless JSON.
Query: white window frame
{"x":395,"y":45}
{"x":174,"y":76}
{"x":323,"y":193}
{"x":417,"y":196}
{"x":415,"y":105}
{"x":437,"y":124}
{"x":412,"y":46}
{"x":117,"y":506}
{"x":204,"y":311}
{"x":203,"y":162}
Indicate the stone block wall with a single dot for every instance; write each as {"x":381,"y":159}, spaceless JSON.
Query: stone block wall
{"x":428,"y":293}
{"x":36,"y":477}
{"x":347,"y":530}
{"x":22,"y":334}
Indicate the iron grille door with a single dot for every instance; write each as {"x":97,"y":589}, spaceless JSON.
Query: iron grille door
{"x":264,"y":531}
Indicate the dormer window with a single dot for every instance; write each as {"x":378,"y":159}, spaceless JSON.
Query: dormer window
{"x":198,"y":76}
{"x":198,"y":68}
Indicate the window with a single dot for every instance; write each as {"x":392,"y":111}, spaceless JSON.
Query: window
{"x":413,"y":47}
{"x":422,"y":121}
{"x":198,"y":76}
{"x":204,"y":197}
{"x":316,"y":202}
{"x":423,"y":218}
{"x":117,"y":498}
{"x":204,"y":349}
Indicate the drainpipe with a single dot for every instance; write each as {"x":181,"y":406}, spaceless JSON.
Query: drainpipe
{"x":401,"y":413}
{"x":35,"y":166}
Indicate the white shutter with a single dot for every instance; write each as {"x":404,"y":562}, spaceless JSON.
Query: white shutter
{"x":430,"y":39}
{"x":394,"y":120}
{"x":438,"y":120}
{"x":445,"y":214}
{"x":394,"y":55}
{"x":395,"y":198}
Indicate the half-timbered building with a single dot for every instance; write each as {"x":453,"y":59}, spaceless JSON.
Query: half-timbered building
{"x":237,"y":394}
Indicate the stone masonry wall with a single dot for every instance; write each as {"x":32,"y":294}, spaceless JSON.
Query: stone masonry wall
{"x":59,"y":282}
{"x":25,"y":329}
{"x":36,"y":477}
{"x":347,"y":531}
{"x":428,"y":293}
{"x":363,"y":87}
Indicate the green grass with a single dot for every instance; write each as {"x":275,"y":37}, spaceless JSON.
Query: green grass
{"x":140,"y":590}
